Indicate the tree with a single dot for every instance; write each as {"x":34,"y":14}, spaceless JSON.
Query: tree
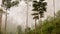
{"x":39,"y":8}
{"x":1,"y":12}
{"x":35,"y":14}
{"x":8,"y":4}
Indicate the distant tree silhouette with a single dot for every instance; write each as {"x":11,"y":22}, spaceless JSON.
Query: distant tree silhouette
{"x":7,"y":4}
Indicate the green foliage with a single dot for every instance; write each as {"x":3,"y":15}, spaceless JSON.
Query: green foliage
{"x":40,"y":8}
{"x":19,"y":29}
{"x":58,"y":13}
{"x":49,"y":26}
{"x":8,"y":4}
{"x":14,"y":3}
{"x":35,"y":3}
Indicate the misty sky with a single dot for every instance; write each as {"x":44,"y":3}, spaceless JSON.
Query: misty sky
{"x":17,"y":15}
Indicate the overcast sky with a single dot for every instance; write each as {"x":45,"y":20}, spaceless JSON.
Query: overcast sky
{"x":18,"y":14}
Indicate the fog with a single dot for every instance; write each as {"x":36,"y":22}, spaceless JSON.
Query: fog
{"x":17,"y":15}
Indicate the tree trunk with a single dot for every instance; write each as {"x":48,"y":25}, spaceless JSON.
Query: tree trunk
{"x":35,"y":26}
{"x":0,"y":22}
{"x":54,"y":12}
{"x":6,"y":22}
{"x":40,"y":20}
{"x":54,"y":8}
{"x":27,"y":18}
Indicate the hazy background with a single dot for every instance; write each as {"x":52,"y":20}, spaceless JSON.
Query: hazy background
{"x":17,"y":15}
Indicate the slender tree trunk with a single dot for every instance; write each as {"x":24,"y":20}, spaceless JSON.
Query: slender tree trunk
{"x":35,"y":26}
{"x":41,"y":25}
{"x":0,"y":22}
{"x":54,"y":11}
{"x":6,"y":22}
{"x":27,"y":18}
{"x":54,"y":8}
{"x":40,"y":20}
